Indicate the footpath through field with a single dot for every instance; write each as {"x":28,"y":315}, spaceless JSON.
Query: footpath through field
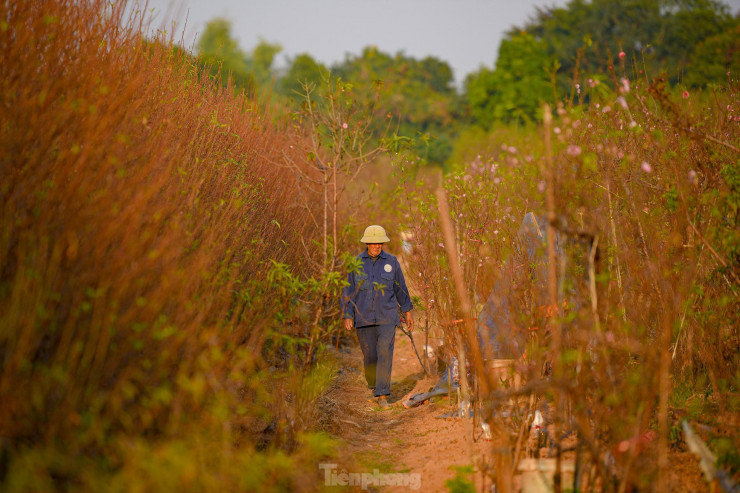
{"x":409,"y":448}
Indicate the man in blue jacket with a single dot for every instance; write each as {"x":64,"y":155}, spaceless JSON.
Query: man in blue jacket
{"x":370,"y":303}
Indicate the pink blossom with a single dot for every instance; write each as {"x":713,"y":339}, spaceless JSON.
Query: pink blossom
{"x":692,"y":177}
{"x":541,"y":186}
{"x":685,"y":94}
{"x":645,"y":166}
{"x":556,"y":130}
{"x":622,"y":54}
{"x":344,"y":125}
{"x":625,"y":85}
{"x":574,"y":150}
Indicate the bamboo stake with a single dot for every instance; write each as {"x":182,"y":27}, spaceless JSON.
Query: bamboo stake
{"x":500,"y":446}
{"x":552,"y":289}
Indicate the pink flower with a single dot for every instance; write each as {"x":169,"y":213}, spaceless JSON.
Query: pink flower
{"x":574,"y":150}
{"x":344,"y":125}
{"x":622,"y":54}
{"x":685,"y":94}
{"x":645,"y":166}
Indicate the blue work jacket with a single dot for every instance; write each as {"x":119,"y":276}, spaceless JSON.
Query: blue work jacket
{"x":375,"y":292}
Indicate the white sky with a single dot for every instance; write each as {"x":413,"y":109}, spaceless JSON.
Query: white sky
{"x":464,"y":33}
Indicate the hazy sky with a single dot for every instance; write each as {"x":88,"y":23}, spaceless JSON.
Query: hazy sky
{"x":464,"y":33}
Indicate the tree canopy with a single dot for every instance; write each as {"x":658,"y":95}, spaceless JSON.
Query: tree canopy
{"x":221,"y":52}
{"x":692,"y":42}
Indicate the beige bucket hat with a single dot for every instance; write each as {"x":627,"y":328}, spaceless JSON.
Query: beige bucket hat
{"x":375,"y":234}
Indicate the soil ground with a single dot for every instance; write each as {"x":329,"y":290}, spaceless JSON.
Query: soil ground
{"x":415,"y":442}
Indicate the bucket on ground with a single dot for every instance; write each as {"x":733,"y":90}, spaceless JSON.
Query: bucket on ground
{"x":538,"y":475}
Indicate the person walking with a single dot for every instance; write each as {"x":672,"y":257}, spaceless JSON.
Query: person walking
{"x":370,"y":303}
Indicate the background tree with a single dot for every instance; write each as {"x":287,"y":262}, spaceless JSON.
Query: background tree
{"x":418,"y":93}
{"x":260,"y":63}
{"x":302,"y":70}
{"x":715,"y":57}
{"x":662,"y":33}
{"x":514,"y":91}
{"x":222,"y":53}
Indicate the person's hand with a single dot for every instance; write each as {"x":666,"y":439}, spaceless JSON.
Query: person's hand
{"x":409,"y":322}
{"x":348,"y":324}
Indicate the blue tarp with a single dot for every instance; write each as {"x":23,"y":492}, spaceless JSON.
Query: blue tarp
{"x":526,"y":270}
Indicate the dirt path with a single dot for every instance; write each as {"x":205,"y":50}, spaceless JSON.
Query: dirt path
{"x":415,"y":443}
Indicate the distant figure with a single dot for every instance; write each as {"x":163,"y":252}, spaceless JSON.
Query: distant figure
{"x":406,"y":246}
{"x":370,"y":303}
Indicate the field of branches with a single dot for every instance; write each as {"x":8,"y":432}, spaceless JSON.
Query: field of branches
{"x":145,"y":241}
{"x":172,"y":252}
{"x":632,"y":325}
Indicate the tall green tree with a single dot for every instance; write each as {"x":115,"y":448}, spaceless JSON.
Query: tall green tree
{"x":261,"y":61}
{"x":302,"y":69}
{"x":418,"y":94}
{"x":221,"y":52}
{"x":713,"y":58}
{"x":515,"y":90}
{"x":661,"y":34}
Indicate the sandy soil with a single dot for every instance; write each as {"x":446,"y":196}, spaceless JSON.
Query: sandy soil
{"x":414,"y":442}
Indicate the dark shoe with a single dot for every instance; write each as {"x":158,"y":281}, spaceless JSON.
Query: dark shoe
{"x":383,"y":402}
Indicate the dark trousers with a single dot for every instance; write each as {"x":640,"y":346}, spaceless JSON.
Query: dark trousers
{"x":376,"y":342}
